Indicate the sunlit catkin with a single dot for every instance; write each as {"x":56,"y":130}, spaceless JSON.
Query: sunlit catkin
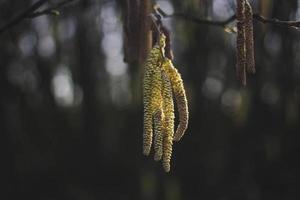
{"x":179,"y":93}
{"x":156,"y":107}
{"x":249,"y":38}
{"x":153,"y":61}
{"x":158,"y":134}
{"x":161,"y":81}
{"x":168,"y":131}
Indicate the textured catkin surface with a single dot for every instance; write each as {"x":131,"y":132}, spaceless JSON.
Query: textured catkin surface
{"x":150,"y":66}
{"x":156,"y":106}
{"x":168,"y":131}
{"x":240,"y":42}
{"x":161,"y":81}
{"x":158,"y":134}
{"x":241,"y":53}
{"x":249,"y":38}
{"x":244,"y":41}
{"x":181,"y":100}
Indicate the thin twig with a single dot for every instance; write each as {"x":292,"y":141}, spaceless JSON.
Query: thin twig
{"x":23,"y":15}
{"x":203,"y":21}
{"x":32,"y":12}
{"x":187,"y":17}
{"x":294,"y":24}
{"x":52,"y":10}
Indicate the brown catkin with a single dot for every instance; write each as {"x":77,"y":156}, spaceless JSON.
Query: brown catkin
{"x":249,"y":38}
{"x":241,"y":54}
{"x":240,"y":6}
{"x":240,"y":42}
{"x":168,"y":131}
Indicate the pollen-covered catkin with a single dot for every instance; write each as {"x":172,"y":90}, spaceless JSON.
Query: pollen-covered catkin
{"x":161,"y":81}
{"x":158,"y":134}
{"x":156,"y":106}
{"x":153,"y":61}
{"x":249,"y":38}
{"x":167,"y":148}
{"x":180,"y":96}
{"x":168,"y":131}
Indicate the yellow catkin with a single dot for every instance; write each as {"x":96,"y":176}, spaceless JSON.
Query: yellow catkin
{"x":240,"y":43}
{"x":153,"y":61}
{"x":249,"y":38}
{"x":158,"y":134}
{"x":156,"y":106}
{"x":179,"y":93}
{"x":168,"y":131}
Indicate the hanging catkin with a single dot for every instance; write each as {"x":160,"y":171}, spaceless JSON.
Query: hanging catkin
{"x":168,"y":131}
{"x":240,"y":42}
{"x":249,"y":38}
{"x":161,"y":81}
{"x":244,"y":41}
{"x":179,"y":93}
{"x":152,"y":63}
{"x":156,"y":106}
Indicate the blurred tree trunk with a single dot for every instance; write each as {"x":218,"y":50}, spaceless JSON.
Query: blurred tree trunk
{"x":87,"y":38}
{"x":137,"y":39}
{"x":137,"y":34}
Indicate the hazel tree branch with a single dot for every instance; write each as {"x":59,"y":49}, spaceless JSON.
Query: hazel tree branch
{"x":257,"y":17}
{"x":293,"y":24}
{"x":32,"y":12}
{"x":23,"y":15}
{"x":52,"y":10}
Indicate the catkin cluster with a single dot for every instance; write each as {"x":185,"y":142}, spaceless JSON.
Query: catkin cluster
{"x":245,"y":43}
{"x":161,"y":82}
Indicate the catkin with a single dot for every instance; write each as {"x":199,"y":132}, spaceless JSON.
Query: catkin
{"x":241,"y":54}
{"x":161,"y":81}
{"x":167,"y":148}
{"x":249,"y":38}
{"x":240,"y":43}
{"x":168,"y":131}
{"x":156,"y":106}
{"x":147,"y":133}
{"x":158,"y":134}
{"x":179,"y":93}
{"x":153,"y":61}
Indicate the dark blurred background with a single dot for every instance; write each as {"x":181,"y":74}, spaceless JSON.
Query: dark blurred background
{"x":71,"y":108}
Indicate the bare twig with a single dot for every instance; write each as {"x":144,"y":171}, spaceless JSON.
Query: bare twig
{"x":52,"y":10}
{"x":258,"y":17}
{"x":32,"y":12}
{"x":203,"y":21}
{"x":293,"y":24}
{"x":23,"y":15}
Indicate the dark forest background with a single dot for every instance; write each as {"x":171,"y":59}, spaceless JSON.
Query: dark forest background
{"x":71,"y":108}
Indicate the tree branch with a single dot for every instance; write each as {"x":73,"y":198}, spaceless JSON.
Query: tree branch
{"x":52,"y":10}
{"x":293,"y":24}
{"x":23,"y":15}
{"x":184,"y":16}
{"x":31,"y":13}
